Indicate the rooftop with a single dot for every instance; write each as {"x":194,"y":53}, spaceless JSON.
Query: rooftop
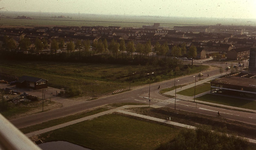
{"x":238,"y":79}
{"x":31,"y":79}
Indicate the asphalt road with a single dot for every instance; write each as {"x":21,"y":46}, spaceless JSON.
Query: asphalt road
{"x":139,"y":94}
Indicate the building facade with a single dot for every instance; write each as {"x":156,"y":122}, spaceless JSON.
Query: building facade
{"x":252,"y":61}
{"x":32,"y":82}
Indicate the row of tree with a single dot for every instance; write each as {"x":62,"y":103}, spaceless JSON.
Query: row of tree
{"x":143,"y":49}
{"x":182,"y":51}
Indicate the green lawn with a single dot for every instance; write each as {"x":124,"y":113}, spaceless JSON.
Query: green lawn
{"x":114,"y":132}
{"x":199,"y":89}
{"x":169,"y":89}
{"x":236,"y":102}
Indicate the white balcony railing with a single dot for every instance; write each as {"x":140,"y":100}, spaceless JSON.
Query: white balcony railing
{"x":12,"y":139}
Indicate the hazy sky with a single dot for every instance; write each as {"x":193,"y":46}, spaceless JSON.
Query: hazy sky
{"x":180,"y":8}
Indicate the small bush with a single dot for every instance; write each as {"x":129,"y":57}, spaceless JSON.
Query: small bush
{"x":158,"y":78}
{"x":32,"y":98}
{"x":73,"y":92}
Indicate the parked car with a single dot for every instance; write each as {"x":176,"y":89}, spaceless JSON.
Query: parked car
{"x":200,"y":74}
{"x":241,"y":65}
{"x":184,"y":58}
{"x":13,"y":82}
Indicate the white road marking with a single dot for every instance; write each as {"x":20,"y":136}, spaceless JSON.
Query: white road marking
{"x":207,"y":109}
{"x":139,"y":100}
{"x":217,"y":111}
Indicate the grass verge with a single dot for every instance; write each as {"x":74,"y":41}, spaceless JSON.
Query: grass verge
{"x":230,"y":101}
{"x":169,"y":89}
{"x":123,"y":104}
{"x":14,"y":111}
{"x":199,"y":89}
{"x":114,"y":132}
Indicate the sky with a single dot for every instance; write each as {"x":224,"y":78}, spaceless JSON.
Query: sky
{"x":244,"y":9}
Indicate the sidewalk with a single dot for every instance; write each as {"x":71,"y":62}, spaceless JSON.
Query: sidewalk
{"x":191,"y":98}
{"x":156,"y":119}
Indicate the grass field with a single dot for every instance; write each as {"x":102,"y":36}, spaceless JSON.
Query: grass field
{"x":199,"y":89}
{"x":236,"y":102}
{"x":169,"y":89}
{"x":91,"y":79}
{"x":114,"y":132}
{"x":14,"y":110}
{"x":88,"y":79}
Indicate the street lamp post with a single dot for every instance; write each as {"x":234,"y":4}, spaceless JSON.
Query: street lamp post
{"x":149,"y":94}
{"x":131,"y":81}
{"x":43,"y":98}
{"x":226,"y":68}
{"x":175,"y":93}
{"x":201,"y":66}
{"x":149,"y":89}
{"x":195,"y":89}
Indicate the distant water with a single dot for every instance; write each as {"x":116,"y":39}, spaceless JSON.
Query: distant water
{"x":60,"y":145}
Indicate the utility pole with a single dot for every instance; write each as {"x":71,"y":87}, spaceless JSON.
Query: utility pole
{"x":175,"y":93}
{"x":148,"y":74}
{"x":195,"y":91}
{"x":149,"y":95}
{"x":43,"y":98}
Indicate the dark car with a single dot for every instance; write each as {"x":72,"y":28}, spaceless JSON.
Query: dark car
{"x":13,"y":82}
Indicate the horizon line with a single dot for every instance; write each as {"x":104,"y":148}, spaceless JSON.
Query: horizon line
{"x":79,"y":13}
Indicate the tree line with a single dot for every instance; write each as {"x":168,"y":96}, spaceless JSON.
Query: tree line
{"x":99,"y":47}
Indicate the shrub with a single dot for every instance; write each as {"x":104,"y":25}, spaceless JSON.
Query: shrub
{"x":158,"y":78}
{"x":73,"y":92}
